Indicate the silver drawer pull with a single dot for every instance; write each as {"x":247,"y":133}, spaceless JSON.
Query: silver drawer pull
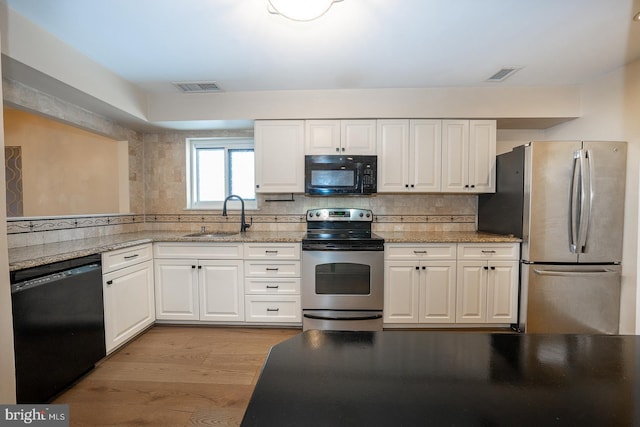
{"x":488,"y":252}
{"x":272,"y":268}
{"x":128,"y":257}
{"x":270,"y":252}
{"x":273,"y":309}
{"x":419,"y":252}
{"x":273,"y":287}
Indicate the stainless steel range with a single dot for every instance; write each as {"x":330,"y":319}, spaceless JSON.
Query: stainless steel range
{"x":342,"y":271}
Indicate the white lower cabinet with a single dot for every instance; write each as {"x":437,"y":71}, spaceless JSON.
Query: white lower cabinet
{"x":487,"y":283}
{"x":450,"y":284}
{"x":176,"y":289}
{"x":420,"y":283}
{"x":199,"y":289}
{"x":272,"y":283}
{"x":128,"y":294}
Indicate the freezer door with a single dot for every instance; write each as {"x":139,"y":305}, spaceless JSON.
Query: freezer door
{"x":570,"y":298}
{"x":607,"y":162}
{"x":546,"y":216}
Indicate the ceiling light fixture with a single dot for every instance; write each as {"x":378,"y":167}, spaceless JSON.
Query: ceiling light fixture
{"x":636,"y":17}
{"x":300,"y":10}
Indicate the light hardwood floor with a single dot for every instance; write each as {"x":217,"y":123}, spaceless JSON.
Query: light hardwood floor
{"x":175,"y":376}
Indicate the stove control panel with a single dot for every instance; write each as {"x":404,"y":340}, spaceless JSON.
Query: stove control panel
{"x":340,"y":214}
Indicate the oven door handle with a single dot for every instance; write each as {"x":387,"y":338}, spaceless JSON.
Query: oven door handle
{"x":368,"y":316}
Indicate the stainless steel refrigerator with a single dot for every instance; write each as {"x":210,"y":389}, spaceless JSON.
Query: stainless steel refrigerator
{"x":565,"y":199}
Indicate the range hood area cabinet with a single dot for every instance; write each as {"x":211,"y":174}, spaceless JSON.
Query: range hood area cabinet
{"x":350,"y":137}
{"x":422,"y":155}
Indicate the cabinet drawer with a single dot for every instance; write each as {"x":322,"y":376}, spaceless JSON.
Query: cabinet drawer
{"x":412,"y":252}
{"x":272,"y":286}
{"x":122,"y":258}
{"x":489,"y":251}
{"x":275,"y":309}
{"x":272,"y":268}
{"x":198,"y":250}
{"x":272,"y":251}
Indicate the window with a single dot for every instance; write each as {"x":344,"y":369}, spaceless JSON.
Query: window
{"x":218,"y":168}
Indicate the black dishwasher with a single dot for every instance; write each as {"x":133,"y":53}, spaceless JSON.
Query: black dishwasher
{"x":58,"y":325}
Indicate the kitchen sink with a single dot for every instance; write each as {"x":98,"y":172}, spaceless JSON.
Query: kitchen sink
{"x":213,"y":234}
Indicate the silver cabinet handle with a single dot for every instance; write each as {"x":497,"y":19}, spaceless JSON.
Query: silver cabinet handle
{"x":488,"y":252}
{"x":420,"y":252}
{"x":273,"y":309}
{"x":270,"y":252}
{"x":272,"y":268}
{"x":273,"y":287}
{"x":128,"y":257}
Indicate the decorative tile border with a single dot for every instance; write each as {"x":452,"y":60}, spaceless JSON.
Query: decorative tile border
{"x":416,"y":219}
{"x":219,"y":219}
{"x":41,"y":224}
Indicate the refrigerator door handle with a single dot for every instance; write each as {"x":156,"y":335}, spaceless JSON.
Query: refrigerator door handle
{"x":587,"y":199}
{"x":604,"y":271}
{"x":573,"y":202}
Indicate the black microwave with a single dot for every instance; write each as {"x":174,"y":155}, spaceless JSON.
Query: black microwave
{"x":340,"y":174}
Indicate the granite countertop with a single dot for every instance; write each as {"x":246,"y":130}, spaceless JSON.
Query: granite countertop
{"x":32,"y":256}
{"x":445,"y":237}
{"x":419,"y":378}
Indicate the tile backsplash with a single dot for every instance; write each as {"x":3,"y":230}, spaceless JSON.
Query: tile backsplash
{"x":392,"y":212}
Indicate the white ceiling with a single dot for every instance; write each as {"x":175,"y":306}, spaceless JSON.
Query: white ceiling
{"x":358,"y":44}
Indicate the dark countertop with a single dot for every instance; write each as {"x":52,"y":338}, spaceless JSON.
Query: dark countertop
{"x":421,"y":378}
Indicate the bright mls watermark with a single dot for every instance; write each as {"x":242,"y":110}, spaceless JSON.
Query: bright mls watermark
{"x":34,"y":415}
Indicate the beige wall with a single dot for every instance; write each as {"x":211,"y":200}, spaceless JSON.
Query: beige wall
{"x":7,"y":365}
{"x":66,"y":170}
{"x":611,"y":111}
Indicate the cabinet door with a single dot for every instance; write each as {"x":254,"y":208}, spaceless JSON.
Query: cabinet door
{"x":358,"y":137}
{"x":502,"y":291}
{"x":438,"y":292}
{"x":321,"y":137}
{"x":393,"y":155}
{"x":401,"y":287}
{"x":455,"y":155}
{"x":221,"y":290}
{"x":128,"y":303}
{"x":425,"y":155}
{"x":482,"y":156}
{"x":471,"y":304}
{"x":279,"y":156}
{"x":176,"y":286}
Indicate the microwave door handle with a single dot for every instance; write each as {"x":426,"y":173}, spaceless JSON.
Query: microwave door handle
{"x":358,"y":179}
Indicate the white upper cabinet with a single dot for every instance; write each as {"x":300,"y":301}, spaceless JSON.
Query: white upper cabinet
{"x":393,"y":155}
{"x":279,"y":156}
{"x":409,"y":157}
{"x":352,"y":137}
{"x":468,"y":156}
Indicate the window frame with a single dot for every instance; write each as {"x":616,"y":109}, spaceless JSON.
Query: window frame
{"x":226,"y":143}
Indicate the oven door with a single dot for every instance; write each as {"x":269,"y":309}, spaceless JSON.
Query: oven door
{"x":342,"y":280}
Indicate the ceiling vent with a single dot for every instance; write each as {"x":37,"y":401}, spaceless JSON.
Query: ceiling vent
{"x":502,"y":74}
{"x":198,"y":87}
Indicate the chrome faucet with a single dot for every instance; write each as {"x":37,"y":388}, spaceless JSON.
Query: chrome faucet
{"x":243,"y":223}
